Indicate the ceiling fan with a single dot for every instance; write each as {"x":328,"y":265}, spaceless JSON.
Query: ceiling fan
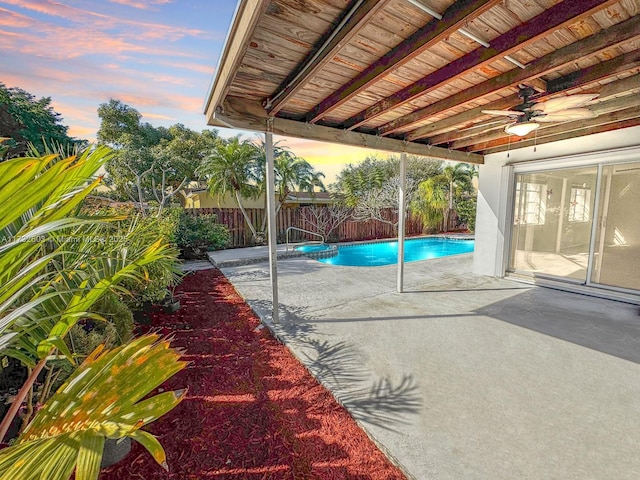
{"x":528,"y":115}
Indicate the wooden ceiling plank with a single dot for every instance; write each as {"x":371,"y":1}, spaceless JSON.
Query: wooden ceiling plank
{"x":599,"y":71}
{"x":628,"y":84}
{"x":493,"y":139}
{"x":328,"y":48}
{"x":607,"y":127}
{"x":604,"y":110}
{"x":433,"y":32}
{"x":616,"y":35}
{"x":559,"y":16}
{"x":247,"y":16}
{"x":464,"y":117}
{"x":248,"y":115}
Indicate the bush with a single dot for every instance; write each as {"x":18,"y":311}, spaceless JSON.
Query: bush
{"x":467,"y":213}
{"x":197,"y":235}
{"x":160,"y":276}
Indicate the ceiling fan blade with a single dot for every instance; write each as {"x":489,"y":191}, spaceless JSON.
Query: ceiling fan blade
{"x":563,"y":103}
{"x":566,"y":115}
{"x":506,"y":113}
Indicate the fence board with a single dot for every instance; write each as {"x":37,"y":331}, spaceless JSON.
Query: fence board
{"x":349,"y":231}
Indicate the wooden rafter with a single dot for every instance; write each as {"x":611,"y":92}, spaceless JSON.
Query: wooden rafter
{"x":611,"y":37}
{"x":461,"y":118}
{"x":433,"y":32}
{"x":246,"y":115}
{"x":461,"y":138}
{"x":329,"y":46}
{"x":614,"y":117}
{"x":560,"y":15}
{"x":631,"y":122}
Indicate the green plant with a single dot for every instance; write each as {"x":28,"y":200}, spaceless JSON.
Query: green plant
{"x":467,"y":212}
{"x":102,"y":399}
{"x":55,"y":264}
{"x":197,"y":235}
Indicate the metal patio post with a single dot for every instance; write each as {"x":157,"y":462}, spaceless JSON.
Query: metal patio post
{"x":271,"y":217}
{"x":401,"y":219}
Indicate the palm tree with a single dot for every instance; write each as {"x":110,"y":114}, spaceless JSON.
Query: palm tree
{"x":452,"y":185}
{"x":292,"y":173}
{"x":313,"y":181}
{"x":232,"y":168}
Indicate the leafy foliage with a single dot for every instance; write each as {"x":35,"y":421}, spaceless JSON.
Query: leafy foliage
{"x":55,"y":265}
{"x":439,"y":197}
{"x":151,"y":163}
{"x":102,"y":399}
{"x":239,"y":168}
{"x":197,"y":235}
{"x":357,"y":181}
{"x":26,"y":120}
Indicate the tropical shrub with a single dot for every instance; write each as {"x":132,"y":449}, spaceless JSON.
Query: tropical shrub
{"x":197,"y":235}
{"x":467,"y":212}
{"x":55,"y":266}
{"x":102,"y":399}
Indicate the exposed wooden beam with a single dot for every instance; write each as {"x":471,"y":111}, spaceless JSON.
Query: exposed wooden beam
{"x":610,"y":37}
{"x":449,"y":138}
{"x":564,"y":129}
{"x":632,"y":122}
{"x":463,"y":137}
{"x":599,"y":71}
{"x":538,"y":84}
{"x":558,"y":16}
{"x":621,"y":87}
{"x":461,"y":118}
{"x":359,"y":15}
{"x":455,"y":17}
{"x":247,"y":15}
{"x":245,"y":115}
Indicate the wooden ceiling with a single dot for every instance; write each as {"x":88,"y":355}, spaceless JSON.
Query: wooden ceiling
{"x":386,"y":74}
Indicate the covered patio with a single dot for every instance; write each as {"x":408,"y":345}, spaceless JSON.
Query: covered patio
{"x":473,"y":376}
{"x":461,"y":375}
{"x":433,"y":78}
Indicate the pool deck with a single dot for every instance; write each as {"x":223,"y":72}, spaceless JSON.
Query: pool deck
{"x":465,"y":376}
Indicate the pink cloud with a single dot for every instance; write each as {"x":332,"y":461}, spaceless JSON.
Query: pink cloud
{"x":97,"y":20}
{"x":142,"y":5}
{"x":156,"y":116}
{"x":9,"y":18}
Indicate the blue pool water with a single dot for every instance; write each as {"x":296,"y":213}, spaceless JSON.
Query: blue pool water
{"x":313,"y":248}
{"x":386,"y":253}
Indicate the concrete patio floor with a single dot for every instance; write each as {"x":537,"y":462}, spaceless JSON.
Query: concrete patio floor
{"x":464,"y":376}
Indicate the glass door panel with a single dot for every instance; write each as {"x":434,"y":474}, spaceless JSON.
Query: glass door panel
{"x":553,"y":215}
{"x":617,"y":247}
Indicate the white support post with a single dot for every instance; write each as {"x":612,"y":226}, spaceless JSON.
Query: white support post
{"x":271,"y":217}
{"x":401,"y":219}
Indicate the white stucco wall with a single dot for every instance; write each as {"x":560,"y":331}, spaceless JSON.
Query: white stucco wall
{"x":494,"y":180}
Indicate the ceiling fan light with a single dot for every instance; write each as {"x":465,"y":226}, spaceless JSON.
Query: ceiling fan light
{"x":521,"y":128}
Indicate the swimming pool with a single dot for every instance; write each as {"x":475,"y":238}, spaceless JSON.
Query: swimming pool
{"x":386,"y":253}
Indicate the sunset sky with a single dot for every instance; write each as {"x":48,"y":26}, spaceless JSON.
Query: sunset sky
{"x":157,"y":56}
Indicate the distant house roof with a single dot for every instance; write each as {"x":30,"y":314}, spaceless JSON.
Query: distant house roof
{"x":309,"y":197}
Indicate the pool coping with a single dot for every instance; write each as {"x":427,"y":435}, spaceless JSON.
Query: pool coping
{"x":262,"y":253}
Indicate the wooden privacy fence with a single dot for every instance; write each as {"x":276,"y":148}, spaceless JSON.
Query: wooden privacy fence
{"x":348,"y":231}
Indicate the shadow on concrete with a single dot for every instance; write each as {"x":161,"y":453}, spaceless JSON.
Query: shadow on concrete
{"x":339,"y":366}
{"x":394,"y":317}
{"x":604,"y":325}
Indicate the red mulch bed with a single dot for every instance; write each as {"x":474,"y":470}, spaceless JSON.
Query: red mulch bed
{"x":252,"y":411}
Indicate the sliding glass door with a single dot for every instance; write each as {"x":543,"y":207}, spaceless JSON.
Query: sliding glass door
{"x":617,"y":249}
{"x":554,"y":234}
{"x":553,"y":218}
